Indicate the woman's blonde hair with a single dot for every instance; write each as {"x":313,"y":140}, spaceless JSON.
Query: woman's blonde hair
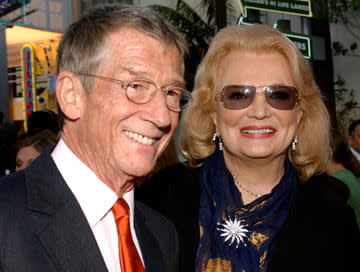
{"x":197,"y":127}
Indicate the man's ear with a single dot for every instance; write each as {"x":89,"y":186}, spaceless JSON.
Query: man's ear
{"x":68,"y":94}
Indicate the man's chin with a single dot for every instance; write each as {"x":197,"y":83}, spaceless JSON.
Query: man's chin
{"x":140,"y":173}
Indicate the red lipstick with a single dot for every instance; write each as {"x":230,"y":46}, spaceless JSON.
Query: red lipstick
{"x":257,"y":132}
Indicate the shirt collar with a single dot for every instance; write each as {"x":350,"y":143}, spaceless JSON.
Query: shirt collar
{"x":356,"y":154}
{"x":95,"y":198}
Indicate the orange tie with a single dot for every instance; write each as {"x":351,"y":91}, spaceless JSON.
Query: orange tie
{"x":129,"y":257}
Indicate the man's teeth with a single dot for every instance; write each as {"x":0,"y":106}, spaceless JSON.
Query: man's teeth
{"x":258,"y":131}
{"x":140,"y":138}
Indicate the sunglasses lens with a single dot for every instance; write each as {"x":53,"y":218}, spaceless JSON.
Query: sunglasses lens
{"x":277,"y":96}
{"x":237,"y":97}
{"x":281,"y":97}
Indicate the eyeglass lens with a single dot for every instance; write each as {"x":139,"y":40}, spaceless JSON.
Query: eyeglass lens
{"x":141,"y":91}
{"x":277,"y":96}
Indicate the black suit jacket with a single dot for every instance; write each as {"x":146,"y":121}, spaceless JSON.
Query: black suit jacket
{"x":42,"y":227}
{"x":320,"y":233}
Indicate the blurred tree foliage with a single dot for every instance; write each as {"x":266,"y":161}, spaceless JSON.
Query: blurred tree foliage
{"x":197,"y":32}
{"x":346,"y":13}
{"x":339,"y":10}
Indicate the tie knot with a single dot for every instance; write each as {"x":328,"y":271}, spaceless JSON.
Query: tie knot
{"x":120,"y":209}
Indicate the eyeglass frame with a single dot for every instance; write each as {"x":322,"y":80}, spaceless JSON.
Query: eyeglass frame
{"x":219,"y":97}
{"x":125,"y":84}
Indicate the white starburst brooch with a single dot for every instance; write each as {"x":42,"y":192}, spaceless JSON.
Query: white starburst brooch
{"x":233,"y":231}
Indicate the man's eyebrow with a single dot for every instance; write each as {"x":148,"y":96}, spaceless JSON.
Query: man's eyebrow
{"x":132,"y":71}
{"x":177,"y":82}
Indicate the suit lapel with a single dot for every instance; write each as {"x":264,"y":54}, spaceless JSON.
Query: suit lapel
{"x":152,"y":255}
{"x":63,"y":228}
{"x":69,"y":240}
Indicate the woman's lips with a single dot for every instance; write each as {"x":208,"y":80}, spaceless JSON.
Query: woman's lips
{"x":258,"y":132}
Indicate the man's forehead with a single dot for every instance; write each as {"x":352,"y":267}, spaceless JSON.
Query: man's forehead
{"x":134,"y":52}
{"x":127,"y":33}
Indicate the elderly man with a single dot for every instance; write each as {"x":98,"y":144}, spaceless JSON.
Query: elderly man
{"x":354,"y":138}
{"x":119,"y":85}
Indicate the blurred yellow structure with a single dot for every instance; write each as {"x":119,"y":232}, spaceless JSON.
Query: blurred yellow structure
{"x":31,"y":57}
{"x":38,"y":60}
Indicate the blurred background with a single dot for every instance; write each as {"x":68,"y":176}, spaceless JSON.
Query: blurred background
{"x":326,"y":31}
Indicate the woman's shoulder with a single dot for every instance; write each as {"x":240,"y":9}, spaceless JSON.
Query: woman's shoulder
{"x":325,"y":186}
{"x":320,"y":226}
{"x":321,"y":204}
{"x":324,"y":194}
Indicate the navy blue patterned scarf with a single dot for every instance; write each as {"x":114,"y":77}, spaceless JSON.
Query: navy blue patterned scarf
{"x":250,"y":230}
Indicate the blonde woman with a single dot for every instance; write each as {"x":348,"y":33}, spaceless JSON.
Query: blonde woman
{"x":259,"y":130}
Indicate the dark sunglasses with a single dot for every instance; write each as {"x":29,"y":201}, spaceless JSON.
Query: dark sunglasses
{"x":236,"y":97}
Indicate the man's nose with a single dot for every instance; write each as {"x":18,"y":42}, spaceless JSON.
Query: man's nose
{"x":159,"y":113}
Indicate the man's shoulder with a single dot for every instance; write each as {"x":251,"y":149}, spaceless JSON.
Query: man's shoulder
{"x":39,"y":167}
{"x":12,"y":184}
{"x":13,"y":201}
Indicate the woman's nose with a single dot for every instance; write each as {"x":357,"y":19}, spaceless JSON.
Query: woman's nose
{"x":259,"y":108}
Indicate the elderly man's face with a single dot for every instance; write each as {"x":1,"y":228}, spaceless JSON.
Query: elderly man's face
{"x":354,"y":140}
{"x":122,"y":138}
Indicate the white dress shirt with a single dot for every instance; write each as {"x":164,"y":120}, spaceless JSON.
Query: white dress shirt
{"x":96,"y":200}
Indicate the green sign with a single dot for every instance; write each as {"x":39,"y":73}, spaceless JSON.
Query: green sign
{"x":295,"y":7}
{"x":303,"y":43}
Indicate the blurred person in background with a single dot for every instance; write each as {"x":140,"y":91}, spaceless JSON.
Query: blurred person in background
{"x":30,"y":147}
{"x":345,"y":167}
{"x":354,"y":138}
{"x":43,"y":119}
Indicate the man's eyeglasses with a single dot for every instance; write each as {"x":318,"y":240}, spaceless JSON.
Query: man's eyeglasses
{"x":238,"y":97}
{"x":141,"y":90}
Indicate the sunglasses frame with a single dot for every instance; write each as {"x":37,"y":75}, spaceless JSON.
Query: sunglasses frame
{"x":220,"y":96}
